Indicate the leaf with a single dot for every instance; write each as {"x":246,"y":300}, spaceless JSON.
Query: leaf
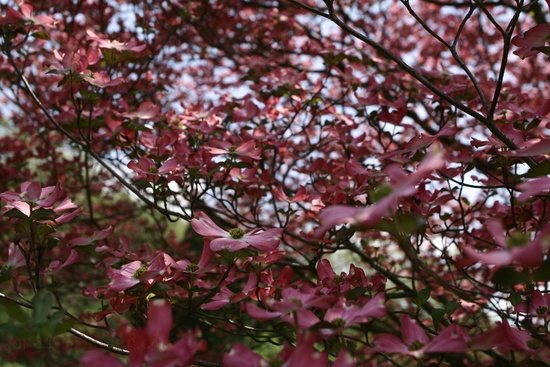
{"x":356,"y":293}
{"x":14,"y":310}
{"x":41,"y":34}
{"x":41,"y":214}
{"x":421,"y":297}
{"x":14,"y":213}
{"x":54,"y":321}
{"x":42,"y":305}
{"x":545,"y":50}
{"x":541,"y":169}
{"x":515,"y":298}
{"x":542,"y":274}
{"x":63,"y":327}
{"x":410,"y":222}
{"x":5,"y":275}
{"x":507,"y":277}
{"x":437,"y":315}
{"x":451,"y":307}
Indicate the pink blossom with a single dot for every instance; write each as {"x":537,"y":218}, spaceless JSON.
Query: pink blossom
{"x":34,"y":197}
{"x":57,"y":265}
{"x":343,"y":315}
{"x":145,"y":167}
{"x":415,"y":342}
{"x":504,"y":337}
{"x":26,"y":14}
{"x":145,"y":111}
{"x":16,"y":259}
{"x":151,"y":345}
{"x":236,"y":239}
{"x":404,"y":185}
{"x":529,"y":254}
{"x":96,"y":236}
{"x":537,"y":304}
{"x":115,"y":45}
{"x":299,"y":196}
{"x":534,"y":38}
{"x":245,"y":150}
{"x":533,"y":187}
{"x":102,"y":80}
{"x":225,"y":296}
{"x":126,"y":277}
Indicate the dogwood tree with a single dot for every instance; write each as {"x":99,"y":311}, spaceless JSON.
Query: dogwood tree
{"x":275,"y":183}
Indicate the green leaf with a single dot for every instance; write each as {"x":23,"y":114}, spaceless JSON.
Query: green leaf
{"x":379,"y":193}
{"x":437,"y":315}
{"x":515,"y":298}
{"x":5,"y":275}
{"x":42,"y":305}
{"x":54,"y":322}
{"x":421,"y":297}
{"x":63,"y":327}
{"x":545,"y":50}
{"x":356,"y":293}
{"x":542,"y":274}
{"x":507,"y":277}
{"x":41,"y":34}
{"x":41,"y":214}
{"x":14,"y":213}
{"x":541,"y":169}
{"x":410,"y":222}
{"x":14,"y":310}
{"x":451,"y":307}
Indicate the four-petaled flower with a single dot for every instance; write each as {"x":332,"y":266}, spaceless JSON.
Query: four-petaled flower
{"x":245,"y":150}
{"x":236,"y":239}
{"x":115,"y":45}
{"x":415,"y":342}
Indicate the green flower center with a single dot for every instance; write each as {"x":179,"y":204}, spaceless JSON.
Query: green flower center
{"x":541,"y":310}
{"x":338,"y":322}
{"x":192,"y":267}
{"x":140,"y":272}
{"x":338,"y":279}
{"x":416,"y":345}
{"x":534,"y":344}
{"x":154,"y":169}
{"x":236,"y":233}
{"x":232,"y":149}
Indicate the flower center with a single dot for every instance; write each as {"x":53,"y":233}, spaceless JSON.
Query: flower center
{"x":338,"y":322}
{"x":236,"y":233}
{"x":154,"y":169}
{"x":541,"y":310}
{"x":140,"y":271}
{"x":534,"y":344}
{"x":192,"y":267}
{"x":232,"y":149}
{"x":416,"y":345}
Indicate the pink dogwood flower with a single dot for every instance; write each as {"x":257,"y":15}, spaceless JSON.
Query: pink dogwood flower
{"x":27,"y":15}
{"x":245,"y":150}
{"x":415,"y":342}
{"x":537,"y":304}
{"x":504,"y":337}
{"x":34,"y":197}
{"x":236,"y":239}
{"x":529,"y":254}
{"x":303,"y":355}
{"x":151,"y":345}
{"x":114,"y":45}
{"x":145,"y":168}
{"x":532,"y":40}
{"x":404,"y":186}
